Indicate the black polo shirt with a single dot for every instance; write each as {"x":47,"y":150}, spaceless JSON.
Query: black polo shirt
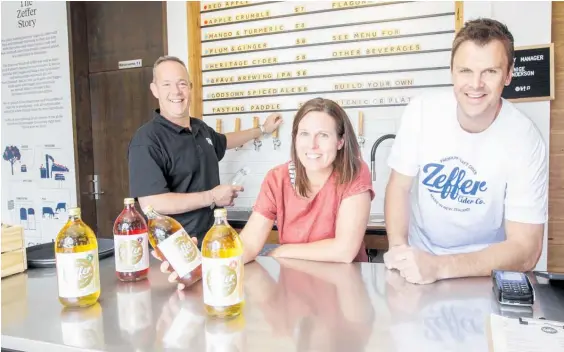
{"x":165,"y":157}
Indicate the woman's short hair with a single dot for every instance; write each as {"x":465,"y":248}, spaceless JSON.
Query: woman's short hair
{"x":347,"y":162}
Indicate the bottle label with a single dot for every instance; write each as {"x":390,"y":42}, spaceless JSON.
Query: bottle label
{"x":131,"y":252}
{"x":181,"y":252}
{"x":222,"y":278}
{"x":78,"y":274}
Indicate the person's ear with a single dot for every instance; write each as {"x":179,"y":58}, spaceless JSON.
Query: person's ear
{"x":154,"y":90}
{"x":340,"y":144}
{"x":509,"y":77}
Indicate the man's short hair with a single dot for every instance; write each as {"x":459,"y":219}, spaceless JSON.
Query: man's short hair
{"x":481,"y":32}
{"x":166,"y":58}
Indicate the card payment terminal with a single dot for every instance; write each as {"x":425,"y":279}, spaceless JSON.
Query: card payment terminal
{"x":512,"y":288}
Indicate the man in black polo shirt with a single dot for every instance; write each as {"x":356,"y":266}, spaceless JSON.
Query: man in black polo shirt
{"x":173,"y":159}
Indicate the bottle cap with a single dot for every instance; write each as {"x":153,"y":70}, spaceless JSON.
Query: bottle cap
{"x":128,"y":201}
{"x":148,"y":209}
{"x":220,"y":212}
{"x":74,"y":211}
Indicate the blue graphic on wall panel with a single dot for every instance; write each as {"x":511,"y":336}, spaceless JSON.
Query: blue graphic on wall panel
{"x":54,"y":212}
{"x":452,"y":183}
{"x":22,"y":212}
{"x":12,"y":154}
{"x":53,"y":170}
{"x":27,"y":218}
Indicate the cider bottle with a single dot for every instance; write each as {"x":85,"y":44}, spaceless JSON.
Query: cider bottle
{"x":76,"y":255}
{"x":171,"y":242}
{"x":222,"y":264}
{"x":131,"y":244}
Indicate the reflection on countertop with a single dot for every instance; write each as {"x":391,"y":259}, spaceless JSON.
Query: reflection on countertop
{"x":290,"y":305}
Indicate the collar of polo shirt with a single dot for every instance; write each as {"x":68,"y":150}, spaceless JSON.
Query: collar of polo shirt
{"x":194,"y":123}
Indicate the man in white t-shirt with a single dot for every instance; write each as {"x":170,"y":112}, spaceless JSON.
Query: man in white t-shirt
{"x":469,"y":180}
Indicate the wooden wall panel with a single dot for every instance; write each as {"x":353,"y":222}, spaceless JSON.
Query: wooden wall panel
{"x":556,"y":178}
{"x":139,"y":35}
{"x":82,"y":119}
{"x":195,"y":57}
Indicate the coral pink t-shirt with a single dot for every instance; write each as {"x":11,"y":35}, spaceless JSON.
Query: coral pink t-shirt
{"x":301,"y":220}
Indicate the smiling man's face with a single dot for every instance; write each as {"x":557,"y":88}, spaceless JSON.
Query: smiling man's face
{"x":479,"y":74}
{"x":172,"y":87}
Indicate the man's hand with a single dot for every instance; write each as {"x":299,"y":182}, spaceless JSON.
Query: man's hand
{"x":167,"y":268}
{"x":414,"y":265}
{"x":272,"y":122}
{"x":223,"y":195}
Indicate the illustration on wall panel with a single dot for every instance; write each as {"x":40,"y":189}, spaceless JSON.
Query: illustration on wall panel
{"x":27,"y":218}
{"x":50,"y":213}
{"x":54,"y":212}
{"x":53,"y":170}
{"x":11,"y":210}
{"x":12,"y":154}
{"x":22,"y":211}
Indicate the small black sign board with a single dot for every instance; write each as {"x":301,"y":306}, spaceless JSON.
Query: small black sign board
{"x":533,"y":74}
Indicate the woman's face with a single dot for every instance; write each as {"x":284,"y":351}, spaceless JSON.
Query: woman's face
{"x":317,"y":142}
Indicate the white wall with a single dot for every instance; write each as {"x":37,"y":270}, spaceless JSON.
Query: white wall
{"x":177,"y":29}
{"x":537,"y":16}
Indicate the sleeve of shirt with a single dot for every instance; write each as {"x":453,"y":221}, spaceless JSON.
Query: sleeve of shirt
{"x":527,"y":186}
{"x":266,"y":201}
{"x":403,"y":157}
{"x":219,"y":142}
{"x":146,"y":171}
{"x":361,"y":183}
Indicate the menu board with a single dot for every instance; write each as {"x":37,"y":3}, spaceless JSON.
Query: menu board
{"x":533,"y":74}
{"x":263,"y":57}
{"x":371,"y":57}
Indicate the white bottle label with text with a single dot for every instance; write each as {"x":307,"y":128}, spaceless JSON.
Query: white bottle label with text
{"x":131,"y":252}
{"x":181,"y":252}
{"x":78,"y":274}
{"x":222,"y":278}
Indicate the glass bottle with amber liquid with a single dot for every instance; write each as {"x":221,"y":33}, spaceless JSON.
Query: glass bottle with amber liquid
{"x":76,"y":255}
{"x":172,"y":243}
{"x":222,"y":264}
{"x":131,"y":244}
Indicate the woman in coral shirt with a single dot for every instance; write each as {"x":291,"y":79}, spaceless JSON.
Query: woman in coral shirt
{"x":321,"y":199}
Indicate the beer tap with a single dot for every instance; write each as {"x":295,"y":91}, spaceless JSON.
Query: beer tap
{"x":257,"y":141}
{"x":275,"y":139}
{"x":218,"y":125}
{"x":237,"y":129}
{"x":361,"y":139}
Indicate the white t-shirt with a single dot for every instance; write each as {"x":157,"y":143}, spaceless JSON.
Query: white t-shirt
{"x":466,"y":184}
